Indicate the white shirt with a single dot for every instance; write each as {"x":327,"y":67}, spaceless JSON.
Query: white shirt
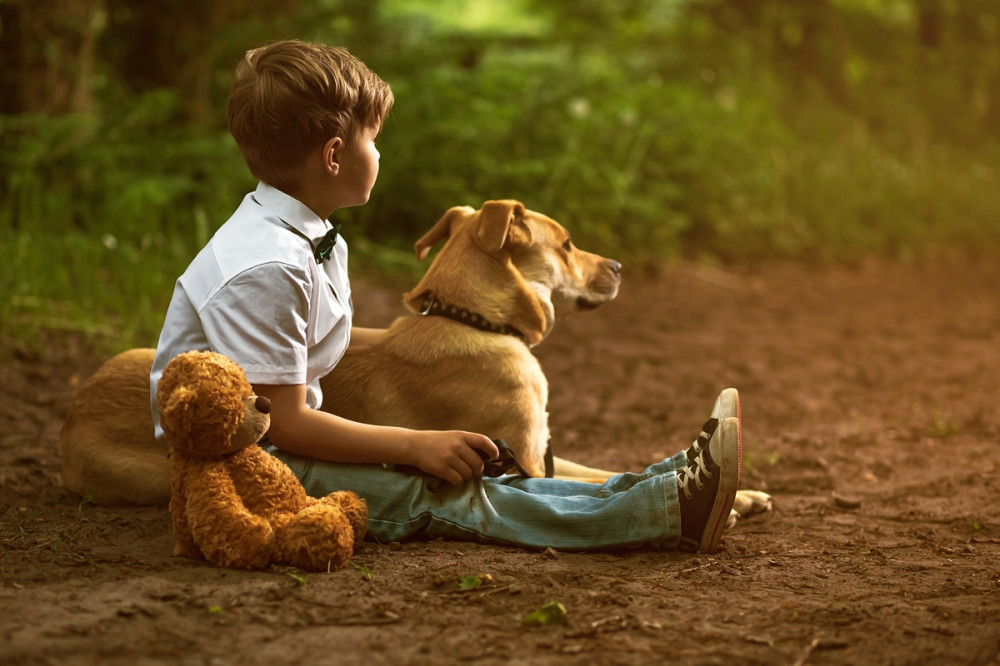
{"x":256,"y":294}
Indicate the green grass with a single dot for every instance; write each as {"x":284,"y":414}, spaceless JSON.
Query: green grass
{"x":22,"y":527}
{"x":639,"y":155}
{"x":108,"y":277}
{"x":366,"y":572}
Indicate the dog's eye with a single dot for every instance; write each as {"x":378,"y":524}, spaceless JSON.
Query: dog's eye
{"x":568,"y":245}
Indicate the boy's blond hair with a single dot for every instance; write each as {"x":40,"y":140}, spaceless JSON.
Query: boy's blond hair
{"x":291,"y":97}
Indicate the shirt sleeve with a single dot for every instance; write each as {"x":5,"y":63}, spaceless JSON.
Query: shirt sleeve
{"x":259,"y":319}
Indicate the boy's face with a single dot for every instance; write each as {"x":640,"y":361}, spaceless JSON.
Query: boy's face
{"x":358,"y":168}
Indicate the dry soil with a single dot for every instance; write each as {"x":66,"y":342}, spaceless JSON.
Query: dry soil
{"x":870,"y":406}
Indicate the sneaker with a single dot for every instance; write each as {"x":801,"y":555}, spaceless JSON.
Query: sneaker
{"x":706,"y":488}
{"x":727,"y":405}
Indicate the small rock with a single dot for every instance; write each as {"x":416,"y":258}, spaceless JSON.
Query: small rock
{"x":844,"y":502}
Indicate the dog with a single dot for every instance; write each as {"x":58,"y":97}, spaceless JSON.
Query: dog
{"x":462,"y":360}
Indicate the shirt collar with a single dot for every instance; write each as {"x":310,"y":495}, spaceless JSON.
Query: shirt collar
{"x":290,"y":210}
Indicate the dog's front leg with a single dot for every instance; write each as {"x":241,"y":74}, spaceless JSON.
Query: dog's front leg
{"x":747,"y":503}
{"x":566,"y":469}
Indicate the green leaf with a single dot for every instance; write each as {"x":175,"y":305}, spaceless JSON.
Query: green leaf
{"x":470,"y":582}
{"x":551,"y":613}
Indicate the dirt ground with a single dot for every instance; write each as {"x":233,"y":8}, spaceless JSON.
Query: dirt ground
{"x":870,"y":413}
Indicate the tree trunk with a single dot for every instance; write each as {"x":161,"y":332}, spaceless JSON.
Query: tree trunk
{"x":48,"y":49}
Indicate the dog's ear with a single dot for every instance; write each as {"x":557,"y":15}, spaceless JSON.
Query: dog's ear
{"x":502,"y":223}
{"x":441,"y":230}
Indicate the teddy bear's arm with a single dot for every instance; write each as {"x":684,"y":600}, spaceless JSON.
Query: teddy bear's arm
{"x":268,"y":486}
{"x":184,"y":545}
{"x":227,"y":533}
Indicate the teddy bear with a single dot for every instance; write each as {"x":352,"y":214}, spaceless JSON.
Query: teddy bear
{"x":231,"y":502}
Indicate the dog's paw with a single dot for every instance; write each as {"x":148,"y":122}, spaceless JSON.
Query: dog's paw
{"x":747,"y":503}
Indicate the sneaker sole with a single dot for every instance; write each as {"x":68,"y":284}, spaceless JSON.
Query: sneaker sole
{"x":730,"y":466}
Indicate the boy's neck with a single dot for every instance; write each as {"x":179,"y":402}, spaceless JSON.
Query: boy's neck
{"x":314,"y":198}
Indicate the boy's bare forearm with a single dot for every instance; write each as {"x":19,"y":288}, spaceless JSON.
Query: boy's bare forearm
{"x":452,"y":455}
{"x":327,"y":437}
{"x":297,"y":429}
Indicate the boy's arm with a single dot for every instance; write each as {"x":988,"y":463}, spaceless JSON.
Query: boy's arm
{"x":450,"y":455}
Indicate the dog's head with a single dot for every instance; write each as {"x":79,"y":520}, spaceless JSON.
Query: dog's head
{"x":512,"y":266}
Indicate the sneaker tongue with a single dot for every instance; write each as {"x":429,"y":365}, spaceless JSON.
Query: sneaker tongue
{"x":702,"y":443}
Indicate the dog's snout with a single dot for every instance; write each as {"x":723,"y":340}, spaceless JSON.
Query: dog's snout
{"x":262,"y":404}
{"x":615,"y":267}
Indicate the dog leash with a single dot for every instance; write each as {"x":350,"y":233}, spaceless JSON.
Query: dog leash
{"x":502,"y":463}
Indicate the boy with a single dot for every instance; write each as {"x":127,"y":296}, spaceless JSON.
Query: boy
{"x":271,"y":291}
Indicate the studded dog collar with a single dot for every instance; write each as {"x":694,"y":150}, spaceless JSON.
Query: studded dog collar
{"x":433,"y":307}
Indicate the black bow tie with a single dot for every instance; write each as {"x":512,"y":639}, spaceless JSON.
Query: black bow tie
{"x":323,"y":246}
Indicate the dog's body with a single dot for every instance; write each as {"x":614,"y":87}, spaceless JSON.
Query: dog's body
{"x":462,"y":361}
{"x":446,"y":376}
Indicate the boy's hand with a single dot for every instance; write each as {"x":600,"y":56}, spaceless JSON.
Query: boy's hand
{"x":451,"y":455}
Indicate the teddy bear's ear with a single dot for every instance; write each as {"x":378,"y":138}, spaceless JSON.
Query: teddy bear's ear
{"x":177,"y":411}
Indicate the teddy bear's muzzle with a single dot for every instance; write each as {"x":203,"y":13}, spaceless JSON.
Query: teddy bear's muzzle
{"x":262,"y":404}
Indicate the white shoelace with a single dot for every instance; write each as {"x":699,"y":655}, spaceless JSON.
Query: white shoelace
{"x":686,"y":474}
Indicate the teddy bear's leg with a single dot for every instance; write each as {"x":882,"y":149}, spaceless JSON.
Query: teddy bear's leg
{"x":225,"y":531}
{"x":353,"y":507}
{"x":234,"y":539}
{"x":318,"y":538}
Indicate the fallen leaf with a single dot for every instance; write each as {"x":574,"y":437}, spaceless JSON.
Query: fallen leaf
{"x":473,"y":581}
{"x":551,"y":613}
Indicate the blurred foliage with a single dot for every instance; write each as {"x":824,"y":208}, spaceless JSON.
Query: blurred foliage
{"x":714,"y":130}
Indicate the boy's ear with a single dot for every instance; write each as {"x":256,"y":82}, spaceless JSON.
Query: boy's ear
{"x":331,"y":155}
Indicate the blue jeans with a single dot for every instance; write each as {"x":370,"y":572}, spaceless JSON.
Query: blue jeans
{"x":628,"y":510}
